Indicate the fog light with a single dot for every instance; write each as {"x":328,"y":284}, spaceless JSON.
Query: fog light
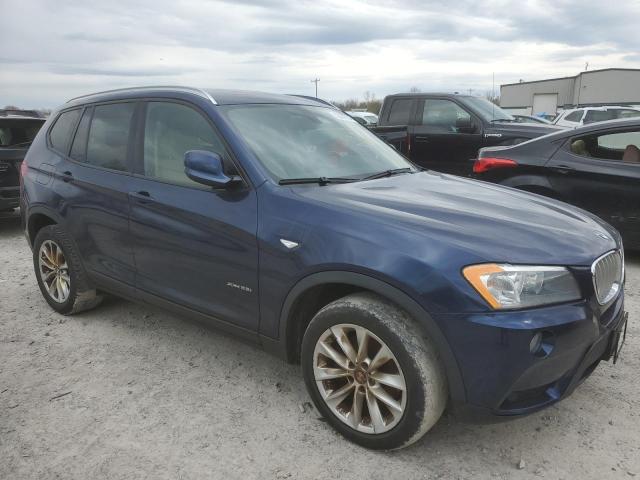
{"x":536,"y":343}
{"x":542,"y":344}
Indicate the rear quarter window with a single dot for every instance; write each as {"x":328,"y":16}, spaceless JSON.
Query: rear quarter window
{"x":60,"y":133}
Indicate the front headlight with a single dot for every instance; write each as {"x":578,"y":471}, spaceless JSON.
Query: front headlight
{"x":520,"y":286}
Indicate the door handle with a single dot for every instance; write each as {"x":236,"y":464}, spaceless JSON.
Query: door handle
{"x":67,"y":176}
{"x":562,"y":169}
{"x":142,"y":196}
{"x":423,"y":139}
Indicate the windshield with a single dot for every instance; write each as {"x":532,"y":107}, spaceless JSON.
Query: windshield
{"x":297,"y":141}
{"x":487,"y":110}
{"x":15,"y":132}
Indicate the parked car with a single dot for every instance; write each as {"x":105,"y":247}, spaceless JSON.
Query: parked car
{"x":444,"y":132}
{"x":520,"y":118}
{"x":17,"y":130}
{"x":576,"y":117}
{"x":282,"y":220}
{"x":363,"y":117}
{"x":596,"y":167}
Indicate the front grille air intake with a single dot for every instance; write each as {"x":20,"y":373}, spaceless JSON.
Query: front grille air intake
{"x":608,"y":271}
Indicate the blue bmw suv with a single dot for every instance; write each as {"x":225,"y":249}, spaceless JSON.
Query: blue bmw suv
{"x":400,"y":291}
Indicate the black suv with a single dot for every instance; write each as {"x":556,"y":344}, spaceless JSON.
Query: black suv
{"x":17,"y":129}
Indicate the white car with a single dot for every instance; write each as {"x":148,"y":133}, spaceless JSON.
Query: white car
{"x":576,"y":117}
{"x":364,"y":118}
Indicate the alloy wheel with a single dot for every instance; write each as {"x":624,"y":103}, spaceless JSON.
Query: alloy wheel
{"x":359,"y":378}
{"x":54,"y":271}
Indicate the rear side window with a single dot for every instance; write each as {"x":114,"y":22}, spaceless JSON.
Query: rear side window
{"x":599,"y":115}
{"x":400,"y":112}
{"x":60,"y":134}
{"x":620,"y":146}
{"x":18,"y":132}
{"x":79,"y":146}
{"x":108,"y":141}
{"x":574,"y":116}
{"x":171,"y":130}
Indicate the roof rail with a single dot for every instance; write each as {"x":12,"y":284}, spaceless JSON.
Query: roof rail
{"x":198,"y":91}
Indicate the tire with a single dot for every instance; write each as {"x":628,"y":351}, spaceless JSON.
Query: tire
{"x":74,"y":293}
{"x":412,"y":383}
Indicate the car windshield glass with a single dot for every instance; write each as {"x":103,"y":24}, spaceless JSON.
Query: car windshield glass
{"x":487,"y":110}
{"x":297,"y":141}
{"x":18,"y":132}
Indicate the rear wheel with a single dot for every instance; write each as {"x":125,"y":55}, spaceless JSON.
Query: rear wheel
{"x":61,"y":276}
{"x":371,"y":372}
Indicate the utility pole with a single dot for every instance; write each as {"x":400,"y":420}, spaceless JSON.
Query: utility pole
{"x":316,"y":80}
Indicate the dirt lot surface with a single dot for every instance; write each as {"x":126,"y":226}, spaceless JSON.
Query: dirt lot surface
{"x":128,"y":391}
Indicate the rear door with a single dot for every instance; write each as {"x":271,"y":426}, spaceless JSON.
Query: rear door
{"x":440,"y":142}
{"x":194,"y":245}
{"x":396,"y":120}
{"x":93,"y":181}
{"x":600,"y":172}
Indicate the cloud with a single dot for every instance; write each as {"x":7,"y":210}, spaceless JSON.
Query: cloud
{"x":54,"y":50}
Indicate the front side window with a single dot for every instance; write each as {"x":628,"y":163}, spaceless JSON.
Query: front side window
{"x":60,"y":134}
{"x":298,"y":141}
{"x":108,"y":141}
{"x":443,"y":115}
{"x":486,"y":109}
{"x":171,"y":130}
{"x":620,"y":146}
{"x":400,"y":112}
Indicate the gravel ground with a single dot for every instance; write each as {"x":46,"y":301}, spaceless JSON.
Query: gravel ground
{"x":129,"y":391}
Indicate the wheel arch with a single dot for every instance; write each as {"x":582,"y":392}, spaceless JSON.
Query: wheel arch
{"x":316,"y":290}
{"x":38,"y":218}
{"x":532,"y":183}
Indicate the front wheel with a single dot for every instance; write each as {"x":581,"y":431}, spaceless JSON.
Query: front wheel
{"x":372,"y":373}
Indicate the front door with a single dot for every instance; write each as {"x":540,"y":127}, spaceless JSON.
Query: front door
{"x":600,"y":172}
{"x":446,"y":138}
{"x":193,"y":245}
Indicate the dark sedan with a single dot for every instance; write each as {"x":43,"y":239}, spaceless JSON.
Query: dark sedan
{"x":596,"y":167}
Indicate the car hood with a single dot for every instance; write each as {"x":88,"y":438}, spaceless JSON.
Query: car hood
{"x":491,"y":222}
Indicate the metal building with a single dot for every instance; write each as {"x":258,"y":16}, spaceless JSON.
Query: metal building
{"x":610,"y":86}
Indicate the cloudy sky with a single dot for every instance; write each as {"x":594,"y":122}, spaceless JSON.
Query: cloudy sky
{"x":55,"y":49}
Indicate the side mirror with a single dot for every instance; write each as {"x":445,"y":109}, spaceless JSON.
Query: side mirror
{"x":465,"y":125}
{"x":207,"y":168}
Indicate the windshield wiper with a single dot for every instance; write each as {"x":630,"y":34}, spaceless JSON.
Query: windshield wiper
{"x":318,"y":180}
{"x":388,"y":173}
{"x":507,"y":120}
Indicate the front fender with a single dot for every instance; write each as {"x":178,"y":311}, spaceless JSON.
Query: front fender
{"x":400,"y":298}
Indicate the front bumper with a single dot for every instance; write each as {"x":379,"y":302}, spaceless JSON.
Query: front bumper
{"x":502,"y":376}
